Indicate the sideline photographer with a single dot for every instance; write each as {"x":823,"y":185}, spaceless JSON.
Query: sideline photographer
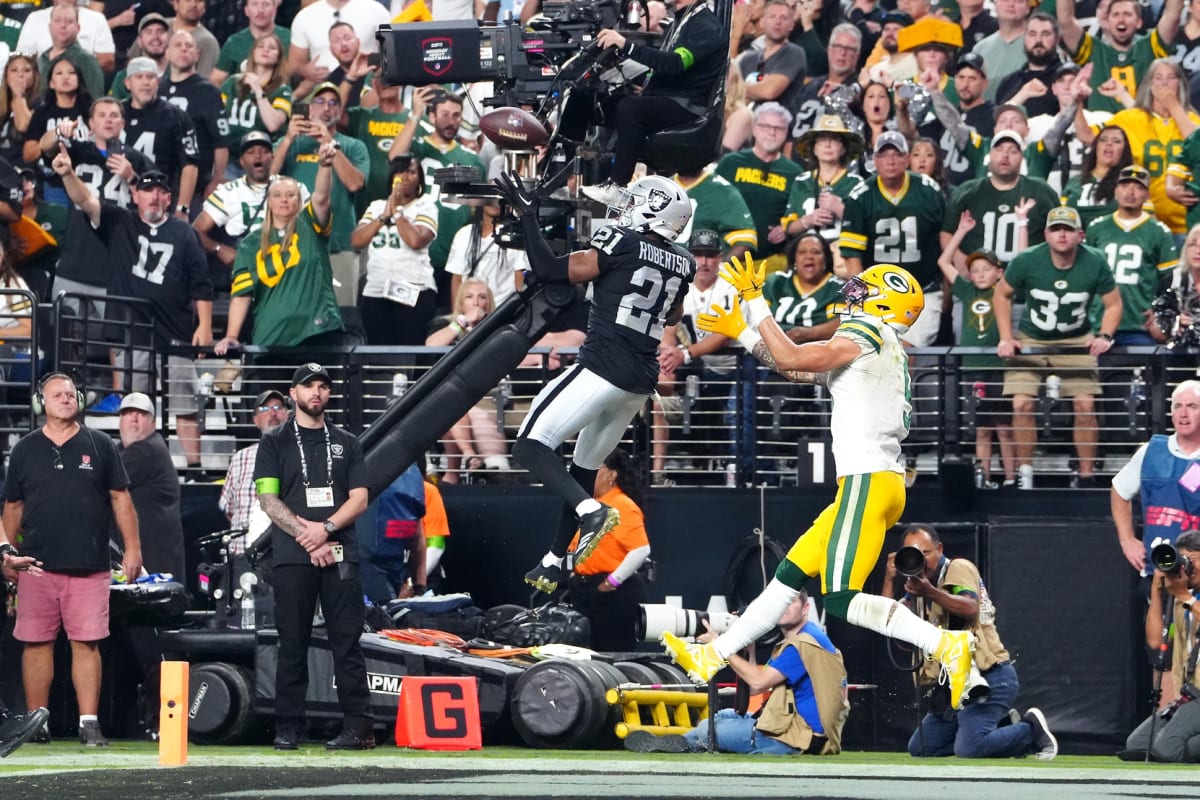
{"x":693,"y":55}
{"x":1176,"y":730}
{"x":950,"y":593}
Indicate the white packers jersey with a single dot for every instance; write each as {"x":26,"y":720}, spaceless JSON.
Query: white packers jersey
{"x":394,"y":270}
{"x":872,"y":400}
{"x":239,"y":206}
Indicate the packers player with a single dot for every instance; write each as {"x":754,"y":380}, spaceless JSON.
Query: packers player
{"x":865,"y":369}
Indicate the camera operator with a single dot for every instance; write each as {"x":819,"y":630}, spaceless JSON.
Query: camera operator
{"x":691,"y":58}
{"x":1177,"y":729}
{"x":1163,"y":471}
{"x":949,"y":593}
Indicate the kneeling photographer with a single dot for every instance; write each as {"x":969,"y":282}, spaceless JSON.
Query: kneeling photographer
{"x":691,"y":58}
{"x":950,"y":593}
{"x":1175,"y":729}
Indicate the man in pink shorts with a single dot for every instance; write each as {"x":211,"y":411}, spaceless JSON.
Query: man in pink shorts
{"x":65,"y":484}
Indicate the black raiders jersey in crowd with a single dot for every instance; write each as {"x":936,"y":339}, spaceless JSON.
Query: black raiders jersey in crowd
{"x":165,"y":134}
{"x":643,"y":278}
{"x":78,"y":261}
{"x":201,"y":101}
{"x":163,"y":264}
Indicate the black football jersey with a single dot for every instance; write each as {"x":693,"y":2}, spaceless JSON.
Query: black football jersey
{"x":165,"y":135}
{"x":163,"y":264}
{"x":201,"y":101}
{"x":642,"y":279}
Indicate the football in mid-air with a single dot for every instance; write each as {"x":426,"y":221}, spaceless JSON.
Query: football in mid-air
{"x":513,"y":128}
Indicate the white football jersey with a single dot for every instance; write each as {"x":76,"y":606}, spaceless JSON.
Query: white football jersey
{"x":872,"y":400}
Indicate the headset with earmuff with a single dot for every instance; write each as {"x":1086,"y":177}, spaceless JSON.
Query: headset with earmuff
{"x":38,"y":401}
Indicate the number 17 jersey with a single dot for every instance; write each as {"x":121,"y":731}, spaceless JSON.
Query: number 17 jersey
{"x":642,"y":279}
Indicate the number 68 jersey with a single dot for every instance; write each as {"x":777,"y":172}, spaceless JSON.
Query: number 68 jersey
{"x":643,"y":279}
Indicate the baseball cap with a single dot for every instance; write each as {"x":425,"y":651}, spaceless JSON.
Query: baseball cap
{"x":138,"y":402}
{"x":141,"y":64}
{"x":1066,"y":68}
{"x":898,"y":17}
{"x":1007,"y":136}
{"x":1063,"y":215}
{"x":151,"y":178}
{"x":986,"y":255}
{"x":891,"y":139}
{"x":310,"y":371}
{"x":256,"y":137}
{"x":972,"y":60}
{"x":326,"y":86}
{"x":262,"y":399}
{"x":151,"y":18}
{"x":1135,"y":173}
{"x":705,"y":241}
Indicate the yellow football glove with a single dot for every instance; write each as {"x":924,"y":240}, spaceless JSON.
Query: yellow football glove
{"x":744,"y":276}
{"x":729,"y":324}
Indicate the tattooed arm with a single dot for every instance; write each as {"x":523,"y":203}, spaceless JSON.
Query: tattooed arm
{"x":795,"y":376}
{"x":281,"y":515}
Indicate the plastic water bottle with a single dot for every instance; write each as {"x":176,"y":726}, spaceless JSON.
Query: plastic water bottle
{"x":248,"y":618}
{"x":206,"y":384}
{"x":1053,"y":384}
{"x":399,"y":384}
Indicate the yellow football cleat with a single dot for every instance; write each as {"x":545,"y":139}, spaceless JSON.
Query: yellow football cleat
{"x":956,"y":652}
{"x":700,"y":661}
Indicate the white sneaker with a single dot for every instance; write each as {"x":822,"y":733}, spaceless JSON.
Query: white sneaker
{"x":606,"y":194}
{"x":1025,"y":476}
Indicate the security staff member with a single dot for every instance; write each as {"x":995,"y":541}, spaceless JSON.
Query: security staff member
{"x":311,"y":482}
{"x":950,"y":594}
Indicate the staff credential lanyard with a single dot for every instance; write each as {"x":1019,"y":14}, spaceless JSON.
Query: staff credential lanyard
{"x":321,"y":497}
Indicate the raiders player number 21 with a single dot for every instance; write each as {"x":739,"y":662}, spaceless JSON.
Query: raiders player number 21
{"x":639,"y":278}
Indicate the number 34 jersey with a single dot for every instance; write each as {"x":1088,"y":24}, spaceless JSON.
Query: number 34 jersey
{"x":643,"y":278}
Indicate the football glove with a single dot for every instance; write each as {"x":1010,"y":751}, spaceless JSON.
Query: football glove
{"x":513,"y":191}
{"x":730,"y":323}
{"x":744,"y":276}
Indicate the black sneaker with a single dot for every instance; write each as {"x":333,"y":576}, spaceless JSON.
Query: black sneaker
{"x":42,"y":734}
{"x":286,"y":738}
{"x":20,"y":728}
{"x":544,"y":579}
{"x":350,"y":739}
{"x":592,"y":527}
{"x":90,"y":735}
{"x":646,"y":742}
{"x":1045,"y":746}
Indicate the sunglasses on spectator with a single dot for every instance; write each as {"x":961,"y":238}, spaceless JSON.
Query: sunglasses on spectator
{"x":272,"y":407}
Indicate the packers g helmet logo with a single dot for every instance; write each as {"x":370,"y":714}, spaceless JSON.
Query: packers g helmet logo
{"x":981,"y":307}
{"x":896,"y":282}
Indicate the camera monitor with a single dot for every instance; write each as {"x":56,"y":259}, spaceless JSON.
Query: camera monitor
{"x":421,"y":53}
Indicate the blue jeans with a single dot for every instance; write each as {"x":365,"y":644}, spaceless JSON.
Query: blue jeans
{"x":972,"y":732}
{"x":736,"y":734}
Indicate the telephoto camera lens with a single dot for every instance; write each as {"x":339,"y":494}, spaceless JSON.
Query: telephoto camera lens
{"x":1166,"y":558}
{"x":910,"y":561}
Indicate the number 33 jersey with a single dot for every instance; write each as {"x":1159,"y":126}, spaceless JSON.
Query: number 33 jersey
{"x":643,"y":278}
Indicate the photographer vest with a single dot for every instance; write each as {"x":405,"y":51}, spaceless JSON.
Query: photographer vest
{"x":959,"y":573}
{"x":779,"y":718}
{"x":1168,"y":507}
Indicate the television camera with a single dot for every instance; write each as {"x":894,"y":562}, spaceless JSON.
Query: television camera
{"x":1169,"y":308}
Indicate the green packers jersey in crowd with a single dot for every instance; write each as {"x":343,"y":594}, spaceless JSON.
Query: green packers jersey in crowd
{"x":451,"y":216}
{"x":1186,"y":166}
{"x":1127,"y":67}
{"x":794,"y":309}
{"x":765,"y":185}
{"x":995,"y":214}
{"x":1139,"y":255}
{"x":1082,"y":197}
{"x":718,"y":206}
{"x":243,"y":115}
{"x":291,"y":285}
{"x":978,"y":323}
{"x":302,"y":162}
{"x":900,"y":229}
{"x":1057,"y":300}
{"x":237,"y":48}
{"x":807,"y":188}
{"x":376,"y":129}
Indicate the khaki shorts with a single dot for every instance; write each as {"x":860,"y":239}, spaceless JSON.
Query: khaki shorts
{"x":1078,"y":373}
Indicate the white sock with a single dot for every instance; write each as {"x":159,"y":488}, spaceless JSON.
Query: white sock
{"x":760,"y":616}
{"x":88,"y":718}
{"x":551,"y":560}
{"x":893,"y":619}
{"x":587,"y":507}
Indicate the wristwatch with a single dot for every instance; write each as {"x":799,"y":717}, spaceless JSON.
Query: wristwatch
{"x":181,"y":208}
{"x":329,"y":526}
